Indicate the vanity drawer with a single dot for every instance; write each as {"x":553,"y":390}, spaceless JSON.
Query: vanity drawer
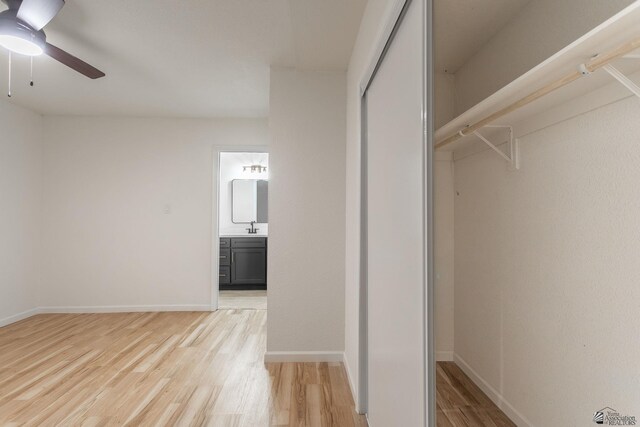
{"x":225,"y":275}
{"x":225,"y":256}
{"x":249,"y":242}
{"x":225,"y":243}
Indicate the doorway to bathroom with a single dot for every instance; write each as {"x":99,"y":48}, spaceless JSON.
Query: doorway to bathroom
{"x":243,"y":221}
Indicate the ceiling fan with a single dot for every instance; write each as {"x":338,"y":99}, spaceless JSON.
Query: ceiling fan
{"x":21,"y":32}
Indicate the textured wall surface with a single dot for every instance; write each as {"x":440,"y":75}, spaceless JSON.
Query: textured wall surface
{"x":546,"y":268}
{"x":443,"y":170}
{"x":306,"y":211}
{"x":20,"y":210}
{"x":541,"y":28}
{"x":443,"y":247}
{"x":128,"y":208}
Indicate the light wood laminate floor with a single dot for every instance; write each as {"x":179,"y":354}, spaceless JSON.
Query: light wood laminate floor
{"x":246,"y":300}
{"x":460,"y":403}
{"x":160,"y":369}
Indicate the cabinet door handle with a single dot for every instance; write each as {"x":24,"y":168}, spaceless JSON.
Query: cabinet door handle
{"x":232,"y":254}
{"x":223,"y":256}
{"x":223,"y":275}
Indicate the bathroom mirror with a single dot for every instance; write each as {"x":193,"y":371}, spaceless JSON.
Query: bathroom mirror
{"x":249,"y":201}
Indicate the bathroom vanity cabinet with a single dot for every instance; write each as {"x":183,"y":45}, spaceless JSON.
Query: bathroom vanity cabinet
{"x":243,"y":263}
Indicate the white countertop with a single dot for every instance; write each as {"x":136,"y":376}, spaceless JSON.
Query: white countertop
{"x":243,"y":235}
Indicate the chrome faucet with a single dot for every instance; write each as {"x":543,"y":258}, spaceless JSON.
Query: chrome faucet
{"x":252,"y":230}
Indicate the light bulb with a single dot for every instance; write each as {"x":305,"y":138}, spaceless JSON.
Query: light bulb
{"x":20,"y":45}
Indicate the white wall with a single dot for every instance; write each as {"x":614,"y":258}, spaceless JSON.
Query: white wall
{"x":128,"y":209}
{"x":546,"y":268}
{"x":443,"y":218}
{"x":231,"y":168}
{"x":306,"y":211}
{"x":20,"y":211}
{"x":444,"y":103}
{"x":444,"y":98}
{"x":540,"y":29}
{"x":532,"y":36}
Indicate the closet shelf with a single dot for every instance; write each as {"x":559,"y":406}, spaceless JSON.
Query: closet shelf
{"x":575,"y":73}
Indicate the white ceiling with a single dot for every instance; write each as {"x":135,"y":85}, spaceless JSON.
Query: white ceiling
{"x":182,"y":58}
{"x":462,"y":27}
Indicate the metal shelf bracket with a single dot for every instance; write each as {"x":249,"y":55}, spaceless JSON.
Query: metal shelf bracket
{"x":514,"y":147}
{"x":624,"y":80}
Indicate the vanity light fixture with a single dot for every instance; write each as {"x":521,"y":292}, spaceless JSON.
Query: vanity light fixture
{"x":254,"y":168}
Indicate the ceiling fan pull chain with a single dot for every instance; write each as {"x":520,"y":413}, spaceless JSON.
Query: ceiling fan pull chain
{"x":9,"y":93}
{"x":31,"y":82}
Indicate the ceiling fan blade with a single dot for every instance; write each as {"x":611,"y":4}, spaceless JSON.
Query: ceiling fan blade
{"x":73,"y":62}
{"x":38,"y":13}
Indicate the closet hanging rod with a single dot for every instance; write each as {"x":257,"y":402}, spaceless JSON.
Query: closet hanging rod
{"x":595,"y":64}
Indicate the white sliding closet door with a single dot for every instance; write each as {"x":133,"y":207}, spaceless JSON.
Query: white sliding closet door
{"x":396,"y":231}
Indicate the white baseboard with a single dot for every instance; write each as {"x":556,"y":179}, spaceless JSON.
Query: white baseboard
{"x":102,"y":309}
{"x":303,"y":356}
{"x":352,"y":385}
{"x":125,"y":308}
{"x":493,"y":394}
{"x":444,"y":356}
{"x":18,"y":317}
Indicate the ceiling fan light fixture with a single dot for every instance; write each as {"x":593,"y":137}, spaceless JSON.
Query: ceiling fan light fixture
{"x":20,"y":38}
{"x":21,"y":31}
{"x":20,"y":45}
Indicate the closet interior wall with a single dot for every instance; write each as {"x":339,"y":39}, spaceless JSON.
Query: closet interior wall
{"x":542,"y":266}
{"x":443,"y":176}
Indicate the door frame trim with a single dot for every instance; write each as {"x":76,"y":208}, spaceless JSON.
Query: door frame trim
{"x":215,"y":212}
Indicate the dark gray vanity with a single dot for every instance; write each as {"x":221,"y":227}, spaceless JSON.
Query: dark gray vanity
{"x":243,"y":263}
